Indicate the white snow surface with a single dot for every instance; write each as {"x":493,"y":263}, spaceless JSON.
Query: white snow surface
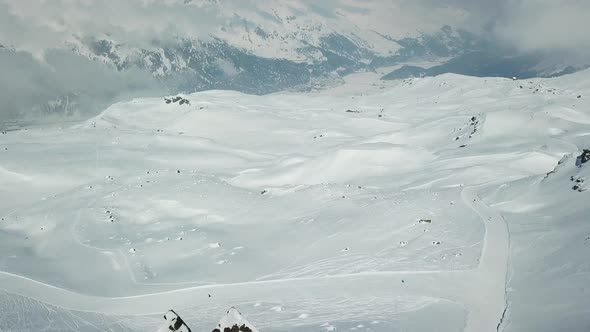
{"x":415,"y":205}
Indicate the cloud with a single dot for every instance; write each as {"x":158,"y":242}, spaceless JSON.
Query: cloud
{"x":35,"y":25}
{"x":33,"y":89}
{"x":548,"y":25}
{"x":560,"y":26}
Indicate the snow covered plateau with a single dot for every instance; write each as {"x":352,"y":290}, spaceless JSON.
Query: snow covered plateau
{"x":448,"y":203}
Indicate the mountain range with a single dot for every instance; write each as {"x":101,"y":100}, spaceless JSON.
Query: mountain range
{"x":259,"y":48}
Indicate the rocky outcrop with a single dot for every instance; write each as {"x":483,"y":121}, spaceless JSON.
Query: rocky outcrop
{"x":233,"y":321}
{"x":583,"y":158}
{"x":578,"y":183}
{"x":177,"y":99}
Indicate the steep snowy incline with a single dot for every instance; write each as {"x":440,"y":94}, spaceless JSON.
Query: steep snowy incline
{"x":331,"y":210}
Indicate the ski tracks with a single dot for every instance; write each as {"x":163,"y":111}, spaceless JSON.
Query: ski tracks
{"x":481,"y":290}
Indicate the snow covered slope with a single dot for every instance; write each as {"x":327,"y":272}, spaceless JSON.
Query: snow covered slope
{"x":426,"y":204}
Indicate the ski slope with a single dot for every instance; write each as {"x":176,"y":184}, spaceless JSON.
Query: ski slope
{"x":439,"y":203}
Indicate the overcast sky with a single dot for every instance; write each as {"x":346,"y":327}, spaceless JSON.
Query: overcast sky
{"x":562,"y":25}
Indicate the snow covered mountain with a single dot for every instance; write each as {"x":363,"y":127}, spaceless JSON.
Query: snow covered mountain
{"x":70,"y":63}
{"x":450,"y":203}
{"x":487,"y":63}
{"x":187,"y":46}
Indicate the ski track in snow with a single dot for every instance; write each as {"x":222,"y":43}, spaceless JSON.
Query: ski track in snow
{"x":481,"y":292}
{"x":324,"y":282}
{"x":485,"y":293}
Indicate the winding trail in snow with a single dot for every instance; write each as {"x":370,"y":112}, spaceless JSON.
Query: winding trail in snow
{"x":481,"y":290}
{"x":487,"y":291}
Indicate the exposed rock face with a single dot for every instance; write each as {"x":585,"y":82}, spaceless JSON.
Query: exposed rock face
{"x":177,"y":99}
{"x":583,"y":158}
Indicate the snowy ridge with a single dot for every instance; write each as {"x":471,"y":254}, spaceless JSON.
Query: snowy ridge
{"x":370,"y":205}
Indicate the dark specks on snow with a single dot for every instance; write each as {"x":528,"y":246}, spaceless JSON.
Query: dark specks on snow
{"x":579,"y":186}
{"x":177,"y":99}
{"x":472,"y":124}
